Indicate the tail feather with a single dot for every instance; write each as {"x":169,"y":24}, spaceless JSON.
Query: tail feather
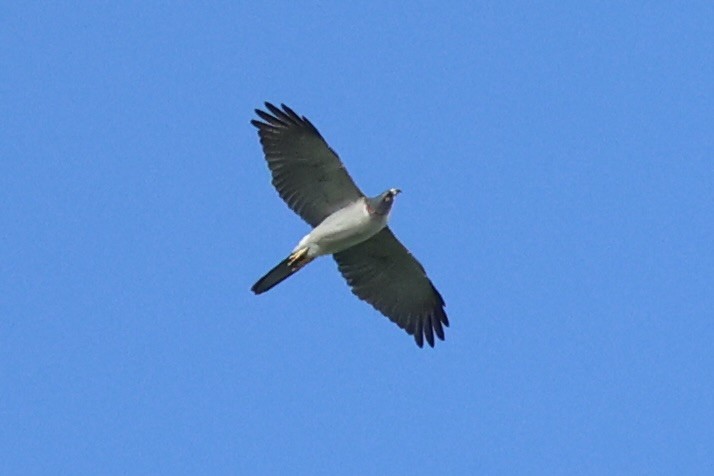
{"x":275,"y":276}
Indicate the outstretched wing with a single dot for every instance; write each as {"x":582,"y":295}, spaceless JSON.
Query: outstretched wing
{"x":307,"y":173}
{"x":384,"y":273}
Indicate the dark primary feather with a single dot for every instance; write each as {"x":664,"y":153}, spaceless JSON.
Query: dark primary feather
{"x":382,"y":272}
{"x":307,"y":173}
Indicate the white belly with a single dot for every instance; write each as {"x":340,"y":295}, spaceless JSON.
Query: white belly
{"x":341,"y":230}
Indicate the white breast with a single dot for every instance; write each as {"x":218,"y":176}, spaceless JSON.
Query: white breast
{"x":343,"y":229}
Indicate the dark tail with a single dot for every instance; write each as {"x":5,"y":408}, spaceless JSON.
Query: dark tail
{"x":275,"y":276}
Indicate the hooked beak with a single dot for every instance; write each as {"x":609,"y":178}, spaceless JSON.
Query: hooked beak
{"x":395,"y":191}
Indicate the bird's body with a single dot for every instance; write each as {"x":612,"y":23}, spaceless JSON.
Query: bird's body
{"x":343,"y":229}
{"x":353,"y":228}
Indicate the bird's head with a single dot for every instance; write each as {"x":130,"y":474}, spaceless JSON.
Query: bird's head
{"x":382,"y":203}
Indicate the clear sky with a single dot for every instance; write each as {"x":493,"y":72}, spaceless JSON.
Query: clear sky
{"x":557,"y":164}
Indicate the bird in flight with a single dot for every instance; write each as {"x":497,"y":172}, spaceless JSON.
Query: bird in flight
{"x":311,"y":179}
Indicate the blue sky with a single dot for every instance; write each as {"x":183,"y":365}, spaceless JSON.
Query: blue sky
{"x":556,"y":163}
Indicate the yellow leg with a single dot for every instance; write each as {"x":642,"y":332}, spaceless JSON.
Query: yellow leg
{"x":297,"y":256}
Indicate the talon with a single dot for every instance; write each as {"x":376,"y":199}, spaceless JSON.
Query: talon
{"x":297,"y":256}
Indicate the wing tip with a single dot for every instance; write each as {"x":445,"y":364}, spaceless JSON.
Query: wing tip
{"x":426,"y":327}
{"x":283,"y":116}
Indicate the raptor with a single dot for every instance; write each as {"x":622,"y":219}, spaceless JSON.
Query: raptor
{"x":311,"y":179}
